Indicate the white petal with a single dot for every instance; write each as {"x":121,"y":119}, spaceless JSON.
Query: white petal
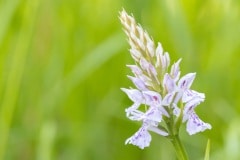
{"x":176,"y":110}
{"x":163,"y":111}
{"x":135,"y":54}
{"x":138,"y":83}
{"x":131,"y":109}
{"x":150,"y":47}
{"x":153,"y":114}
{"x":159,"y":54}
{"x":178,"y":96}
{"x":195,"y":125}
{"x":186,"y":81}
{"x":136,"y":115}
{"x":190,"y":105}
{"x":152,"y":98}
{"x":175,"y":70}
{"x":145,"y":65}
{"x":147,"y":81}
{"x":141,"y":138}
{"x":165,"y":60}
{"x":159,"y":50}
{"x":133,"y":94}
{"x":168,"y":99}
{"x":141,"y":44}
{"x":168,"y":83}
{"x":190,"y":94}
{"x":135,"y":70}
{"x":140,"y":31}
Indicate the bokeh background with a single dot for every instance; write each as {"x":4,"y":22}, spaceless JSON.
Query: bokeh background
{"x":62,"y":64}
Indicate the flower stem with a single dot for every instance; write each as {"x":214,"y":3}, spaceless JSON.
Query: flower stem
{"x":179,"y":148}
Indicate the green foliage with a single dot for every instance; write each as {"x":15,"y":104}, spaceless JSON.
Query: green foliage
{"x":207,"y":152}
{"x":62,"y":65}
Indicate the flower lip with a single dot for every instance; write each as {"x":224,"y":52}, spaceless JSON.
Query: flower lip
{"x":195,"y":124}
{"x":141,"y":138}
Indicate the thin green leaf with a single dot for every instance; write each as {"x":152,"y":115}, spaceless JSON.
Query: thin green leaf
{"x":207,"y":150}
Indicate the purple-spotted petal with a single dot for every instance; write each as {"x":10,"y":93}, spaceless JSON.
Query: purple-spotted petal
{"x":186,"y":81}
{"x":190,"y":94}
{"x":141,"y":138}
{"x":135,"y":115}
{"x":152,"y":98}
{"x":168,"y":99}
{"x":190,"y":105}
{"x":195,"y":125}
{"x":153,"y":114}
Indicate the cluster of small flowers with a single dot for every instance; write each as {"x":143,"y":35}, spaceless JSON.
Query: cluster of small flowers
{"x":160,"y":90}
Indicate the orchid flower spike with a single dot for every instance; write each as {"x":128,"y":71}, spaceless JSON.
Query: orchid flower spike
{"x":160,"y":94}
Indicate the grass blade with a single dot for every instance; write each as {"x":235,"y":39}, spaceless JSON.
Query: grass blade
{"x":207,"y":150}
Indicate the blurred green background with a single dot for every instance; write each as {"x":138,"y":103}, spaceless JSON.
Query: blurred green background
{"x":62,"y":64}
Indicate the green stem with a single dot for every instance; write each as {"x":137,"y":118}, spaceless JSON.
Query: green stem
{"x":179,"y":148}
{"x":173,"y":130}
